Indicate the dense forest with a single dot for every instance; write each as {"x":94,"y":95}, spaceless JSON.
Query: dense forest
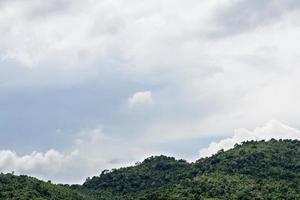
{"x":252,"y":170}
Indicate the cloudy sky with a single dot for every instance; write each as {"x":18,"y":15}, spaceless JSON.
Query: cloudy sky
{"x":89,"y":85}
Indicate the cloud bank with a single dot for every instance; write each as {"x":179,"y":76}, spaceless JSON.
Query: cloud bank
{"x":92,"y":152}
{"x":221,"y":59}
{"x":36,"y":161}
{"x":273,"y":129}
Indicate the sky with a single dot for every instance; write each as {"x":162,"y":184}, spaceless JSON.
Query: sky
{"x":93,"y":85}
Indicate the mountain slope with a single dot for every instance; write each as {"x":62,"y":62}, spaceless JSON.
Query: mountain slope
{"x":252,"y":170}
{"x":24,"y":188}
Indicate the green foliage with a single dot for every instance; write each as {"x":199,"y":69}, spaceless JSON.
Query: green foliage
{"x":254,"y":170}
{"x":153,"y":173}
{"x":28,"y":188}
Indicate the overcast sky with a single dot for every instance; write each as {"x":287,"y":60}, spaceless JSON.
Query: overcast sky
{"x":87,"y":85}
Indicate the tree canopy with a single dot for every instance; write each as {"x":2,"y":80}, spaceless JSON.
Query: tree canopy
{"x":251,"y":170}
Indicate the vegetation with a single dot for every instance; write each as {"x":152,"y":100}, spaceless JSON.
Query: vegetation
{"x":26,"y":188}
{"x":252,"y":170}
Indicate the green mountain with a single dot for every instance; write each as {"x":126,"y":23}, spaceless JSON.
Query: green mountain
{"x":252,"y":170}
{"x":26,"y":188}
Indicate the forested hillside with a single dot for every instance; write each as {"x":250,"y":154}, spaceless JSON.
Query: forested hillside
{"x":25,"y":187}
{"x":253,"y":170}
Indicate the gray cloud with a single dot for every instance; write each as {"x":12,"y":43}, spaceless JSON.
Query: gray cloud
{"x":242,"y":15}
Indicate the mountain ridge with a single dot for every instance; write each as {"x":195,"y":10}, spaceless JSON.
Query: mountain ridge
{"x":251,"y":170}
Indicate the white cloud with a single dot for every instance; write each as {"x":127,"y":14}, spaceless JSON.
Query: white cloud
{"x":92,"y":152}
{"x":52,"y":160}
{"x":273,"y":129}
{"x":140,"y":98}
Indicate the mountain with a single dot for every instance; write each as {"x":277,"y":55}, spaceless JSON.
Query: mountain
{"x":24,"y":187}
{"x":252,"y":170}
